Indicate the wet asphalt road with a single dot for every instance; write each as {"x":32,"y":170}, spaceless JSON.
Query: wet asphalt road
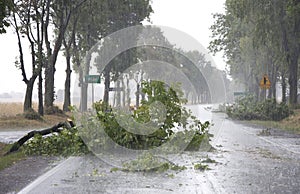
{"x":254,"y":163}
{"x":11,"y":136}
{"x":247,"y":163}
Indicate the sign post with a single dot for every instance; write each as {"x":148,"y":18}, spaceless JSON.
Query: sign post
{"x":93,"y":79}
{"x":265,"y":84}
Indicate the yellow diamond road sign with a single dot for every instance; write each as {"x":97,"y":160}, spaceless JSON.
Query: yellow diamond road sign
{"x":265,"y":82}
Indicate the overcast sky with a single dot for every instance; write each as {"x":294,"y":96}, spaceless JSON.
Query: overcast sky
{"x":191,"y":16}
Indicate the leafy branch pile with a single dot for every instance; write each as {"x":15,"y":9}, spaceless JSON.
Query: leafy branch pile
{"x":247,"y":108}
{"x":178,"y":126}
{"x":177,"y":118}
{"x":149,"y":163}
{"x":65,"y":143}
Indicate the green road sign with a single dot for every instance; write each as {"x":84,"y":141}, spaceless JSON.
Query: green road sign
{"x":92,"y":79}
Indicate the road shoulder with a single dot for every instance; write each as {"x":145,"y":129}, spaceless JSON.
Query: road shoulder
{"x":17,"y":176}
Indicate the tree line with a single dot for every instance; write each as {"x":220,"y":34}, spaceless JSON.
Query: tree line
{"x":133,"y":65}
{"x":76,"y":24}
{"x":260,"y":37}
{"x":74,"y":27}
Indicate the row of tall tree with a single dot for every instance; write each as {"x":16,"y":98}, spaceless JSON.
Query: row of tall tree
{"x":159,"y":60}
{"x":260,"y":37}
{"x":72,"y":26}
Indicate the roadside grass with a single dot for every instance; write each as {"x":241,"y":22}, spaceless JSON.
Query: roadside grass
{"x":20,"y":123}
{"x":291,"y":124}
{"x":9,"y":160}
{"x":8,"y":109}
{"x":11,"y":118}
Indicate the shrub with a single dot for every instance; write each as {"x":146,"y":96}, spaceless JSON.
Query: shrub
{"x":32,"y":115}
{"x":247,"y":108}
{"x":53,"y":110}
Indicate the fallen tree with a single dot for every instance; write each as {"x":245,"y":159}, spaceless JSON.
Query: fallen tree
{"x":54,"y":129}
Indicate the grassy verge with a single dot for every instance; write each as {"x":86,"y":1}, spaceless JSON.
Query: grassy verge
{"x":291,"y":124}
{"x":11,"y":118}
{"x":6,"y":161}
{"x":20,"y":123}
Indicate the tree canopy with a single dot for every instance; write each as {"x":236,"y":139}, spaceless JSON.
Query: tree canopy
{"x":76,"y":25}
{"x":5,"y":7}
{"x":260,"y":37}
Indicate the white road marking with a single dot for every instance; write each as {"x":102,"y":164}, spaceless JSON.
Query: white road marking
{"x":45,"y":176}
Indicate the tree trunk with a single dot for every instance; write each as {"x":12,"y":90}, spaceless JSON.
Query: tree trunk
{"x":48,"y":70}
{"x":28,"y":95}
{"x":81,"y":82}
{"x":141,"y":88}
{"x":128,"y":92}
{"x":123,"y":92}
{"x":270,"y":90}
{"x":273,"y":80}
{"x":142,"y":93}
{"x":293,"y":79}
{"x":291,"y":53}
{"x":84,"y":86}
{"x":257,"y":88}
{"x":274,"y":91}
{"x":193,"y":98}
{"x":106,"y":87}
{"x":293,"y":68}
{"x":40,"y":95}
{"x":49,"y":85}
{"x":50,"y":67}
{"x":283,"y":85}
{"x":187,"y":95}
{"x":83,"y":101}
{"x":137,"y":94}
{"x":118,"y":94}
{"x":67,"y":96}
{"x":27,"y":106}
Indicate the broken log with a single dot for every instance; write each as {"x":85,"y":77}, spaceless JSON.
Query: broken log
{"x":56,"y":128}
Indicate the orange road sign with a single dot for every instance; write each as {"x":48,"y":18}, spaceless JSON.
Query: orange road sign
{"x":265,"y":82}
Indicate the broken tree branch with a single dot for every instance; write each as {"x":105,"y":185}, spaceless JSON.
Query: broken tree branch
{"x":56,"y":128}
